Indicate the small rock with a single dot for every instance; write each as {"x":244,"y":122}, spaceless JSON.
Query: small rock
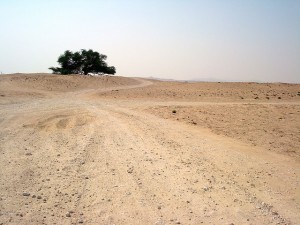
{"x":26,"y":194}
{"x":130,"y":170}
{"x":68,"y":214}
{"x":205,"y":188}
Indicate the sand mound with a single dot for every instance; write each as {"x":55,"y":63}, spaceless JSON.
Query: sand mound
{"x":27,"y":86}
{"x":60,"y":83}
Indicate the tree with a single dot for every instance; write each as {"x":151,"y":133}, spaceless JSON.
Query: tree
{"x":83,"y":62}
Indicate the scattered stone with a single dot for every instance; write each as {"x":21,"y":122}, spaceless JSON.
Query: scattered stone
{"x":160,"y":222}
{"x":68,"y":214}
{"x":26,"y":194}
{"x":130,"y":170}
{"x":205,"y":188}
{"x":28,"y":154}
{"x":80,"y":221}
{"x":39,"y":197}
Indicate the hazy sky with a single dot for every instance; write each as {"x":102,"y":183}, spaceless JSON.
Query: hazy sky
{"x":250,"y":40}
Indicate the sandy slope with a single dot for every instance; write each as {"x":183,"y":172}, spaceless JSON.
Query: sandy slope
{"x":118,"y":155}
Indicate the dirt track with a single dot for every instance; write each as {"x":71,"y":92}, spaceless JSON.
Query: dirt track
{"x":72,"y":158}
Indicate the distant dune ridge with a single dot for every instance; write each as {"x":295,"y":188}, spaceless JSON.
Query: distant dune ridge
{"x":46,"y":82}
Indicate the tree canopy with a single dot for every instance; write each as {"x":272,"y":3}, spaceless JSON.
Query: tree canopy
{"x":82,"y":62}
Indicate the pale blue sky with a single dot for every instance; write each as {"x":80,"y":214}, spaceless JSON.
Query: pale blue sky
{"x":242,"y":40}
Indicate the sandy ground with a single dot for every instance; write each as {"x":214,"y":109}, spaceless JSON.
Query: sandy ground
{"x":115,"y":150}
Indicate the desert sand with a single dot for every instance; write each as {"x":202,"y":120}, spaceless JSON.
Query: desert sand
{"x":116,"y":150}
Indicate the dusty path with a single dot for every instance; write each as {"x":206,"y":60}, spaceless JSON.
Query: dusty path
{"x":74,"y":160}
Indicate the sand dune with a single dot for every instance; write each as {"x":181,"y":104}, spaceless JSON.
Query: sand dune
{"x":117,"y":150}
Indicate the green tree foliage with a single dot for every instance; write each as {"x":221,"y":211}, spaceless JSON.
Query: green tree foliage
{"x":82,"y":62}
